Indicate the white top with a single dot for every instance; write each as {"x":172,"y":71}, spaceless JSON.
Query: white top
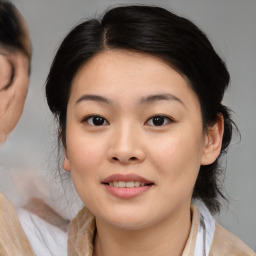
{"x":206,"y":230}
{"x":45,"y":239}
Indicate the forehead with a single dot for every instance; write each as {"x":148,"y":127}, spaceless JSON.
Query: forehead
{"x":121,"y":73}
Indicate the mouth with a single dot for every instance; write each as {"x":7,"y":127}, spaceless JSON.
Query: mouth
{"x":126,"y":186}
{"x":126,"y":181}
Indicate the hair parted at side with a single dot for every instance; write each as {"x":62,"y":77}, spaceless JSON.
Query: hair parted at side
{"x":155,"y":31}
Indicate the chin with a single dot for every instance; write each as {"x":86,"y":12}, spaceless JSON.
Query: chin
{"x":126,"y":221}
{"x":129,"y":225}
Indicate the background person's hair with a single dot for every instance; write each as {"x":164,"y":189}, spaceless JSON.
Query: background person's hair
{"x":13,"y":30}
{"x":158,"y":32}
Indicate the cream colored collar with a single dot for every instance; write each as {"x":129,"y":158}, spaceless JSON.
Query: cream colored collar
{"x":13,"y":240}
{"x":82,"y":232}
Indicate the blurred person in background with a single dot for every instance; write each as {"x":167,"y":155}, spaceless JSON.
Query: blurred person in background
{"x":15,"y":57}
{"x":15,"y":61}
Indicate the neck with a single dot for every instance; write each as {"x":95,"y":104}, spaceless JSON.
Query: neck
{"x":166,"y":238}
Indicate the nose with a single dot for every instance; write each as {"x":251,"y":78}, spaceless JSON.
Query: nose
{"x":126,"y":146}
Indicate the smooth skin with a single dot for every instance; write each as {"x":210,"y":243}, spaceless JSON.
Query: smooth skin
{"x":131,"y":113}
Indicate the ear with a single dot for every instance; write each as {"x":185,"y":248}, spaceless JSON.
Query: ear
{"x":66,"y":164}
{"x":213,"y":141}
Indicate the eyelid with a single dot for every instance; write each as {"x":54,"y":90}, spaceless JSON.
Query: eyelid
{"x":11,"y":78}
{"x":170,"y":119}
{"x":87,"y":117}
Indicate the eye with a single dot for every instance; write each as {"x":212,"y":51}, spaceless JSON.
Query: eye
{"x":95,"y":120}
{"x":158,"y":120}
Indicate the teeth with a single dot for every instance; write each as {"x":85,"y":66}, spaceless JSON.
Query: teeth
{"x":119,"y":184}
{"x":128,"y":184}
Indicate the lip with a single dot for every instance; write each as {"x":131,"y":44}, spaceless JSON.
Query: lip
{"x":126,"y":178}
{"x":127,"y":193}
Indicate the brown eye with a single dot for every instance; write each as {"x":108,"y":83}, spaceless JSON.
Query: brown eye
{"x":158,"y":120}
{"x":96,"y":120}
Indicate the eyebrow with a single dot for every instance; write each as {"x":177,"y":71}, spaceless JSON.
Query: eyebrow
{"x":144,"y":100}
{"x":91,"y":97}
{"x":157,"y":97}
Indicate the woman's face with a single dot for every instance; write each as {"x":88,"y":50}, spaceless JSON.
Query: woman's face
{"x":134,"y":139}
{"x":12,"y":95}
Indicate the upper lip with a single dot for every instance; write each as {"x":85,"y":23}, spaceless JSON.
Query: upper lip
{"x":126,"y":178}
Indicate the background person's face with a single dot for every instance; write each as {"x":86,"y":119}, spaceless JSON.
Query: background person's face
{"x":13,"y":97}
{"x":14,"y":79}
{"x":5,"y":72}
{"x":111,"y":130}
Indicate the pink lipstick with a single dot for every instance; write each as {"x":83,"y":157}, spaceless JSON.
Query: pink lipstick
{"x":126,"y":186}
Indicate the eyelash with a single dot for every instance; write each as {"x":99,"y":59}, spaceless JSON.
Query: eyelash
{"x":90,"y":117}
{"x":89,"y":120}
{"x":166,"y":120}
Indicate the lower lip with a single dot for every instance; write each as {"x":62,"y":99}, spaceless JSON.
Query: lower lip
{"x":127,"y":193}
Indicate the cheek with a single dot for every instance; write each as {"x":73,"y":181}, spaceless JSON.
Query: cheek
{"x":177,"y":158}
{"x":86,"y":158}
{"x":84,"y":151}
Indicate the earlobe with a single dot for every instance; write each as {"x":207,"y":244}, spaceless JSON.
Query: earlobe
{"x":66,"y":165}
{"x":213,"y":141}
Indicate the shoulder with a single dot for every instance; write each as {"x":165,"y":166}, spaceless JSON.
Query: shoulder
{"x":13,"y":240}
{"x":225,"y":243}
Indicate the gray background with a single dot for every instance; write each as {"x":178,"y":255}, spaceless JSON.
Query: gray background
{"x":231,"y":27}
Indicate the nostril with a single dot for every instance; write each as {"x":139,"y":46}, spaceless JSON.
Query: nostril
{"x":130,"y":159}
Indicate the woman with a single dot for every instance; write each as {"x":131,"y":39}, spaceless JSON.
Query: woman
{"x":138,"y":96}
{"x":37,"y":224}
{"x":15,"y":57}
